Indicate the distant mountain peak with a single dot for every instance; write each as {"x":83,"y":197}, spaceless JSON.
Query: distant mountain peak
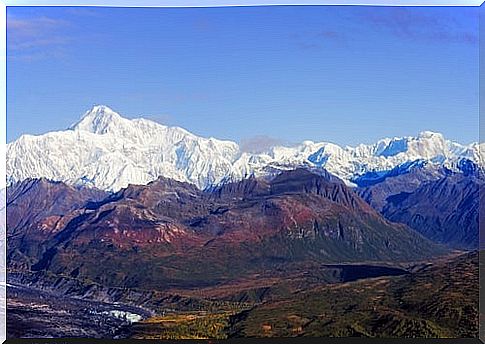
{"x":430,"y":134}
{"x":98,"y":120}
{"x":100,"y":108}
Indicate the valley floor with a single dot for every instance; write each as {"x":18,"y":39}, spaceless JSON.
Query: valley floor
{"x":32,"y":313}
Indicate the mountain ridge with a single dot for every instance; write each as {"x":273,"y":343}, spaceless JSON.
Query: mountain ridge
{"x":169,"y":228}
{"x":109,"y":152}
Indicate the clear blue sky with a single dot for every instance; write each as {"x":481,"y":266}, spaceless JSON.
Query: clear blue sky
{"x":341,"y":74}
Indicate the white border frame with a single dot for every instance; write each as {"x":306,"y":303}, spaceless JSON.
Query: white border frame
{"x":139,"y":3}
{"x":226,"y":3}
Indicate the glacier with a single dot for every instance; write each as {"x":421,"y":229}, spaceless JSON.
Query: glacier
{"x":109,"y":152}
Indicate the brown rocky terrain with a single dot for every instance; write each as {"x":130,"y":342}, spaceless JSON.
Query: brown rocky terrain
{"x":168,"y":233}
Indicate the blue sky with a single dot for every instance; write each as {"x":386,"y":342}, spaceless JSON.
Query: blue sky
{"x":256,"y":75}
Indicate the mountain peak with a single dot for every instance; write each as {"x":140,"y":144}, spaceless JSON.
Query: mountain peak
{"x":427,"y":134}
{"x":98,"y":111}
{"x":100,"y":108}
{"x":98,"y":120}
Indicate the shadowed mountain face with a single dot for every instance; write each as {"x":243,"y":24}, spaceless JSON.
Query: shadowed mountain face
{"x":39,"y":208}
{"x":169,"y":233}
{"x":376,"y":194}
{"x":35,"y":199}
{"x":444,"y":207}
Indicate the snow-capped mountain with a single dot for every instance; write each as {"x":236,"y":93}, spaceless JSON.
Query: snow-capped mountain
{"x":109,"y":152}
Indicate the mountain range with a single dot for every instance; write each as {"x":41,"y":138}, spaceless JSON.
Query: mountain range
{"x":109,"y":152}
